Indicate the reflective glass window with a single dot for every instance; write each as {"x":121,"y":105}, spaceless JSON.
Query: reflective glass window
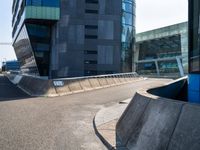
{"x":128,"y":1}
{"x":48,"y":3}
{"x":127,"y":18}
{"x":127,"y":33}
{"x":38,"y":30}
{"x":127,"y":7}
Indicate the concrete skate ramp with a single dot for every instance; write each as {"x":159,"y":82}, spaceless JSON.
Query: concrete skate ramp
{"x":156,"y":123}
{"x":36,"y":86}
{"x":9,"y":91}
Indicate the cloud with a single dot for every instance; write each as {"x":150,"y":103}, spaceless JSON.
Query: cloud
{"x":159,"y":13}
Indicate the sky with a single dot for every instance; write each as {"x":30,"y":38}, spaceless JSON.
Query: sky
{"x":150,"y":14}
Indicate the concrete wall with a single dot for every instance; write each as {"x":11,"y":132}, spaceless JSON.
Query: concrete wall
{"x":36,"y":86}
{"x":154,"y":123}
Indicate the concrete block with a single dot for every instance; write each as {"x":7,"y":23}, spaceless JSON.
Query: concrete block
{"x":103,"y":82}
{"x":37,"y":86}
{"x":63,"y":90}
{"x":74,"y":85}
{"x":128,"y":121}
{"x":155,"y":128}
{"x":187,"y":133}
{"x":116,"y":80}
{"x":94,"y":83}
{"x":122,"y":79}
{"x":110,"y":81}
{"x":85,"y":84}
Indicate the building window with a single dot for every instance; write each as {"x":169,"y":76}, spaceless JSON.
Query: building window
{"x":90,"y":62}
{"x":91,"y":36}
{"x":89,"y":11}
{"x":52,"y":3}
{"x":92,"y":1}
{"x":90,"y":52}
{"x":91,"y":27}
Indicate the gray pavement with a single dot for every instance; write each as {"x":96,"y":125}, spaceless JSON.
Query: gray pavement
{"x":60,"y":123}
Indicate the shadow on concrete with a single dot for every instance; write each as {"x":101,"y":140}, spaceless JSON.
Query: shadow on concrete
{"x":9,"y":91}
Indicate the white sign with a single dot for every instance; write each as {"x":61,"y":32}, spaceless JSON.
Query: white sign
{"x":58,"y":83}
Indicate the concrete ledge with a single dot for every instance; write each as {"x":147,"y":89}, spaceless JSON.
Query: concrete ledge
{"x":36,"y":86}
{"x":151,"y":122}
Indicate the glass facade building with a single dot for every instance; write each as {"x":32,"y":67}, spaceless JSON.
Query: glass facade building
{"x":128,"y":32}
{"x":72,"y":38}
{"x":32,"y":22}
{"x":157,"y":51}
{"x":194,"y":51}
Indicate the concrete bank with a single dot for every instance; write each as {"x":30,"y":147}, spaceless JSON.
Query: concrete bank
{"x":152,"y":122}
{"x":36,"y":86}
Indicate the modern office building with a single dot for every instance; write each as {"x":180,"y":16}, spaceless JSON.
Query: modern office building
{"x":194,"y":51}
{"x":162,"y":51}
{"x":69,"y":38}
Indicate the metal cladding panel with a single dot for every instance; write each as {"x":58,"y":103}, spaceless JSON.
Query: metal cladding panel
{"x":194,"y":52}
{"x":46,"y":13}
{"x":194,"y":88}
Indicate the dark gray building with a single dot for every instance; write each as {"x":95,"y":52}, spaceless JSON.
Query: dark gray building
{"x":71,"y":38}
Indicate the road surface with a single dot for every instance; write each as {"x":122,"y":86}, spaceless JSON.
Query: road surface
{"x":60,"y":123}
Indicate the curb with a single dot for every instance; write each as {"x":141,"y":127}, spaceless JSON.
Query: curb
{"x":103,"y":140}
{"x":102,"y":122}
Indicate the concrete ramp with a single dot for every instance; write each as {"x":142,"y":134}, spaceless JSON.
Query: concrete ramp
{"x":156,"y":123}
{"x":9,"y":91}
{"x":36,"y":86}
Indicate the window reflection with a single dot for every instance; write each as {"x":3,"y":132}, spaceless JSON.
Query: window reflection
{"x":40,"y":41}
{"x":128,"y":31}
{"x":24,"y":53}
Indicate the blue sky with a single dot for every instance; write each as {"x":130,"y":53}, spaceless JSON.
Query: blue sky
{"x":6,"y":52}
{"x":149,"y":14}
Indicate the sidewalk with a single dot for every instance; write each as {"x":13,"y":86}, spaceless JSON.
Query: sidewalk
{"x":105,"y":123}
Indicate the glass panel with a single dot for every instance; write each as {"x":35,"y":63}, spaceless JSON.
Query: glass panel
{"x":40,"y":41}
{"x":127,"y":18}
{"x":127,"y":33}
{"x":38,"y":30}
{"x":127,"y":7}
{"x":48,"y":3}
{"x":24,"y":53}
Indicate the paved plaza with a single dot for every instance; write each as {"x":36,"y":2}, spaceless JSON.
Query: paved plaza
{"x":60,"y":123}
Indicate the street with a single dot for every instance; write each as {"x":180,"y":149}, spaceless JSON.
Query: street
{"x":60,"y":123}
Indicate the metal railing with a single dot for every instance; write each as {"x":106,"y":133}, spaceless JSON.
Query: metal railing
{"x":178,"y":60}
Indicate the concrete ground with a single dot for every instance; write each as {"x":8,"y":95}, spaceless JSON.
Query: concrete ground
{"x":60,"y":123}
